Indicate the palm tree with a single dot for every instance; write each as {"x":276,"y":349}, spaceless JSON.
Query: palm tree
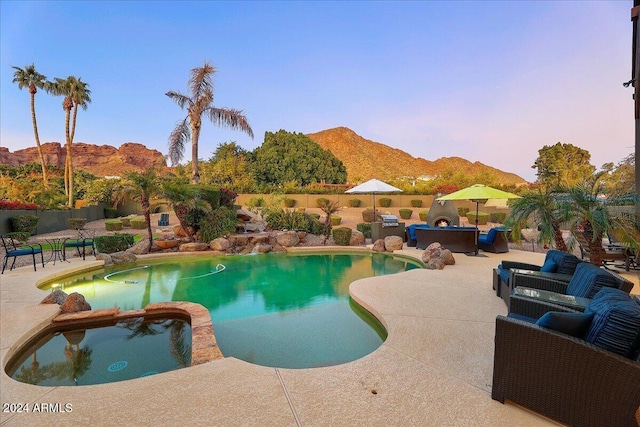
{"x":542,"y":207}
{"x":141,"y":186}
{"x":29,"y":77}
{"x":198,"y":104}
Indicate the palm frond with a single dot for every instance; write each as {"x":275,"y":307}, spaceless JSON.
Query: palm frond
{"x":201,"y":81}
{"x":179,"y":98}
{"x":229,"y":117}
{"x":177,"y":141}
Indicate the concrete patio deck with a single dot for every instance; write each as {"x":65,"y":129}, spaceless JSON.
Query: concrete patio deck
{"x":434,"y":369}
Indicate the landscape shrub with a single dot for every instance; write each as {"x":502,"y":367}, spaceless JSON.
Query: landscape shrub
{"x":364,"y":229}
{"x":336,"y":220}
{"x":256,"y":202}
{"x":77,"y":223}
{"x":211,"y":194}
{"x":483,"y":217}
{"x":138,"y":223}
{"x":406,"y":213}
{"x":126,"y":221}
{"x":498,"y":217}
{"x":423,"y":215}
{"x":322,"y":201}
{"x":289,"y":203}
{"x":113,"y":225}
{"x":354,"y":203}
{"x":20,"y":236}
{"x":219,"y":222}
{"x":342,"y":235}
{"x":314,"y":215}
{"x":463,"y":211}
{"x":278,"y":219}
{"x":14,"y":205}
{"x":110,"y":212}
{"x":367,"y":215}
{"x":227,"y":198}
{"x":385,"y":202}
{"x":24,"y":223}
{"x":113,"y":243}
{"x":416,"y":203}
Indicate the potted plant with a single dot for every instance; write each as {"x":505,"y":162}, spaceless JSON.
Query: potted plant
{"x":167,"y":241}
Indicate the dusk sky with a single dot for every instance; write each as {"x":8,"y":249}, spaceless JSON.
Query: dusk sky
{"x":487,"y":81}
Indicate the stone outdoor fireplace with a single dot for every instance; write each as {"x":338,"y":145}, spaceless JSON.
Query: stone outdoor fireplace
{"x":442,"y":214}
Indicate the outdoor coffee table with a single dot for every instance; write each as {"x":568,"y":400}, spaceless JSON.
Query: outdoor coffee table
{"x":57,"y":247}
{"x":576,"y":303}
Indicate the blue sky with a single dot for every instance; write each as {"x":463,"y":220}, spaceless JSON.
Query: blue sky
{"x":487,"y":81}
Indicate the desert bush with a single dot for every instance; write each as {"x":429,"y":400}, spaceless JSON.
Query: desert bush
{"x":294,"y":220}
{"x":336,"y":219}
{"x":315,"y":215}
{"x":385,"y":202}
{"x":113,"y":243}
{"x":219,"y":222}
{"x":289,"y":203}
{"x":483,"y":217}
{"x":354,"y":203}
{"x":423,"y":215}
{"x":342,"y":235}
{"x":498,"y":217}
{"x":138,"y":223}
{"x":24,"y":223}
{"x":113,"y":225}
{"x":77,"y":223}
{"x":126,"y":221}
{"x":256,"y":202}
{"x":416,"y":203}
{"x":463,"y":211}
{"x":364,"y":229}
{"x":367,"y":215}
{"x":406,"y":213}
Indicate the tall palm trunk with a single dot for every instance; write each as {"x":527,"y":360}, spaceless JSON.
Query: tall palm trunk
{"x":68,"y":105}
{"x":45,"y":178}
{"x":557,"y":237}
{"x":195,"y":136}
{"x":146,"y":211}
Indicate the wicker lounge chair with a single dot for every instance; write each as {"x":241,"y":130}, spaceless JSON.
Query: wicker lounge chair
{"x":599,"y":255}
{"x":561,"y":376}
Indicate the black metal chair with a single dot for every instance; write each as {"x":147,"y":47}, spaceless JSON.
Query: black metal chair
{"x":84,"y":240}
{"x":13,"y":249}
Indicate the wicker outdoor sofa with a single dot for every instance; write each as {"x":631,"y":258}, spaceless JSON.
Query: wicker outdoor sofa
{"x":560,"y":376}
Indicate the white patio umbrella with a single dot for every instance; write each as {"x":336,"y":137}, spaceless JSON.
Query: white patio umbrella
{"x":373,"y":186}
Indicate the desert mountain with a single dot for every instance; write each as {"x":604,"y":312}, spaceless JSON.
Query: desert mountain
{"x":366,"y":159}
{"x":100,"y":160}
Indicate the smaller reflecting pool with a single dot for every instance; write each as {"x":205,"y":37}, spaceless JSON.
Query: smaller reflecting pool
{"x":130,"y":348}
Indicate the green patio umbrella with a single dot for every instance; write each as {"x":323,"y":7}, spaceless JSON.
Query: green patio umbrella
{"x":479,"y":193}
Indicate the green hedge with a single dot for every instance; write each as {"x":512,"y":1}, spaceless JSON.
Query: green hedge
{"x":113,"y":225}
{"x":19,"y":236}
{"x":113,"y":243}
{"x":354,"y":203}
{"x":483,"y":217}
{"x":364,"y":229}
{"x":289,"y":203}
{"x":77,"y":223}
{"x":416,"y":203}
{"x":498,"y":217}
{"x":24,"y":223}
{"x":406,"y":213}
{"x":385,"y":202}
{"x":110,"y":212}
{"x":342,"y":235}
{"x":463,"y":211}
{"x":138,"y":223}
{"x":336,"y":220}
{"x":423,"y":215}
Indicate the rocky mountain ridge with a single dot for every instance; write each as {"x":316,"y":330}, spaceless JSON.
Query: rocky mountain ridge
{"x":365,"y":159}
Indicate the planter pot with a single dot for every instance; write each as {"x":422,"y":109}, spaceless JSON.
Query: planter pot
{"x":167,"y":244}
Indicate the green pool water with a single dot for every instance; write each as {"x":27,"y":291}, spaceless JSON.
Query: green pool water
{"x":281,"y":310}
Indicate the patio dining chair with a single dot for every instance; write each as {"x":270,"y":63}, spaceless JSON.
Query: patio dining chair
{"x":13,"y":249}
{"x":83,"y":241}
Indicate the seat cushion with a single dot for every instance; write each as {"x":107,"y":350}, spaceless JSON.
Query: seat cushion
{"x":549,"y":266}
{"x":589,"y":279}
{"x":616,"y":322}
{"x":574,"y":324}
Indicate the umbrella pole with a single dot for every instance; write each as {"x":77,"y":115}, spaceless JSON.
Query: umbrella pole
{"x":374,"y":207}
{"x":477,"y":204}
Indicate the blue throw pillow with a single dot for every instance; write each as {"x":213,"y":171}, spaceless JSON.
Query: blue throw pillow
{"x":574,"y":324}
{"x":549,"y":266}
{"x":616,"y":322}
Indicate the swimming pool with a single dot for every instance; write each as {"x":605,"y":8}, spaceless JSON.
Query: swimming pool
{"x":283,"y":310}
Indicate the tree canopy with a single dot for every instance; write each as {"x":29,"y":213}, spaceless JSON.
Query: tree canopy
{"x":563,"y":165}
{"x":289,"y":156}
